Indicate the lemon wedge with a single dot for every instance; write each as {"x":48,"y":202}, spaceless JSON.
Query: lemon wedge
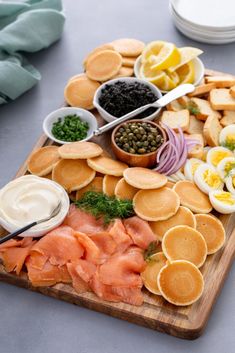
{"x":154,"y":76}
{"x":161,"y":55}
{"x":167,"y":84}
{"x":187,"y":54}
{"x":186,"y":73}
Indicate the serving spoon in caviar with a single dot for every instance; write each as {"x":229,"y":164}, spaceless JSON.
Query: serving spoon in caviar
{"x":176,"y":93}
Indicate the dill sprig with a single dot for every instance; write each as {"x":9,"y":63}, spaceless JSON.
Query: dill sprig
{"x":151,"y":249}
{"x":103,"y":206}
{"x":193,"y":108}
{"x":229,"y":144}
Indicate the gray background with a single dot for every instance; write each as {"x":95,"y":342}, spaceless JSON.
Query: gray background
{"x":30,"y":322}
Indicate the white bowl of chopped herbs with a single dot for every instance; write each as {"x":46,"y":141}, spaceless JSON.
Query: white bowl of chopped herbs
{"x":66,"y":125}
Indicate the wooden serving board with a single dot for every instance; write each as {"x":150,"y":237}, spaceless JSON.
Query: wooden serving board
{"x":184,"y":322}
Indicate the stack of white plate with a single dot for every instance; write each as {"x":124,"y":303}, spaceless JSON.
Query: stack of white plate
{"x":207,"y":21}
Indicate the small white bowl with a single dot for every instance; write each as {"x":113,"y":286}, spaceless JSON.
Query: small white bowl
{"x":85,"y":115}
{"x":32,"y":232}
{"x":108,"y":117}
{"x":198,"y":65}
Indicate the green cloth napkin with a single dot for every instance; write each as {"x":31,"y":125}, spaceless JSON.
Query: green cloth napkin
{"x":26,"y":26}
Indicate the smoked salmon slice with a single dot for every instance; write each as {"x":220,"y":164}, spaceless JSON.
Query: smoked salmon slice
{"x":140,"y":231}
{"x":123,"y":269}
{"x":78,"y":283}
{"x":14,"y":256}
{"x":83,"y":222}
{"x":91,"y":251}
{"x":59,"y":246}
{"x":105,"y":242}
{"x":119,"y":235}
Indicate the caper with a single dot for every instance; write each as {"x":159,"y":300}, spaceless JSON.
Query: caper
{"x":153,"y":143}
{"x":158,"y":138}
{"x":142,"y":150}
{"x":136,"y":131}
{"x":132,"y":150}
{"x":150,"y":137}
{"x":145,"y":143}
{"x":118,"y":134}
{"x":139,"y":144}
{"x":138,"y":136}
{"x":121,"y":139}
{"x":121,"y":129}
{"x":153,"y":149}
{"x":125,"y":139}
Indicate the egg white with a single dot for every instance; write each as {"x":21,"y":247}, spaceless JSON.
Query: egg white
{"x":201,"y":183}
{"x":229,"y":183}
{"x":188,"y":167}
{"x":222,"y":164}
{"x":221,"y":206}
{"x":216,"y":150}
{"x":228,"y":130}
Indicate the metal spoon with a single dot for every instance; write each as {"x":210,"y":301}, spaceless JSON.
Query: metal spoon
{"x":160,"y":103}
{"x":54,"y":213}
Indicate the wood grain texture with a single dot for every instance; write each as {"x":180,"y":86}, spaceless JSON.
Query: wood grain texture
{"x":184,"y":322}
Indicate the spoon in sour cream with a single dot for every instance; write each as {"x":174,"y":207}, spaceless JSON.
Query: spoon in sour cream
{"x":54,"y":213}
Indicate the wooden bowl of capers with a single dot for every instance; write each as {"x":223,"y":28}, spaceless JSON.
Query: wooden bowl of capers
{"x":136,"y":142}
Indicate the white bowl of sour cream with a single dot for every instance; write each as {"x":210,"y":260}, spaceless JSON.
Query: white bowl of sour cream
{"x":30,"y":198}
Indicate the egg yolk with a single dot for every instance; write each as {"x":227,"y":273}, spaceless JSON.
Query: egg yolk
{"x":212,"y":178}
{"x":218,"y":156}
{"x":225,"y":197}
{"x":228,"y":167}
{"x":194,"y":167}
{"x":230,"y":138}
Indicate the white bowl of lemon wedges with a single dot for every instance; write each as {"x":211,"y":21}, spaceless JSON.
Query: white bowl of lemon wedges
{"x":167,"y":66}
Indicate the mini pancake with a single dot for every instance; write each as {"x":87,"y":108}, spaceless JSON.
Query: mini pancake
{"x":125,"y":191}
{"x":124,"y":72}
{"x":184,"y":243}
{"x":107,"y":165}
{"x":42,"y":161}
{"x":212,"y":230}
{"x":143,"y":178}
{"x":80,"y":92}
{"x":180,"y":283}
{"x":128,"y":46}
{"x":97,"y":50}
{"x":156,"y":205}
{"x":182,"y":217}
{"x":109,"y":184}
{"x":72,"y":174}
{"x":128,"y":61}
{"x":103,"y":65}
{"x":80,"y":150}
{"x":77,"y":76}
{"x":192,"y":197}
{"x":96,"y":185}
{"x":149,"y":276}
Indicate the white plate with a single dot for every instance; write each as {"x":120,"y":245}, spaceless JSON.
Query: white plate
{"x":208,"y":13}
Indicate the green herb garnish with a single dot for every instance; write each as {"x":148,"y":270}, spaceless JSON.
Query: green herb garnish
{"x":193,"y":108}
{"x":101,"y":205}
{"x":70,"y":129}
{"x":229,"y":144}
{"x":151,"y":249}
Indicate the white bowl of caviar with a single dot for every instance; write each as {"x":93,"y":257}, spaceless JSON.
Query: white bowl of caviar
{"x":69,"y":124}
{"x":120,"y":96}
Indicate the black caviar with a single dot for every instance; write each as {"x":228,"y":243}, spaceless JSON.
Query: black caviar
{"x":138,"y":138}
{"x":123,"y":97}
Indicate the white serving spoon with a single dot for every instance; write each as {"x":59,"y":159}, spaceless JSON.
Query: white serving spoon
{"x":160,"y":103}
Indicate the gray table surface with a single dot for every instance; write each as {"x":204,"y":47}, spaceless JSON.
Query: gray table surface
{"x":30,"y":322}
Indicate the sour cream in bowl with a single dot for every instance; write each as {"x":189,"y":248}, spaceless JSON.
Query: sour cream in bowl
{"x":31,"y":198}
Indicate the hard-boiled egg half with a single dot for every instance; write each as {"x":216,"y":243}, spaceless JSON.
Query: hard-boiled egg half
{"x":205,"y":152}
{"x":227,"y":137}
{"x":190,"y":167}
{"x":217,"y":154}
{"x":230,"y":183}
{"x":226,"y":167}
{"x":222,"y":201}
{"x":207,"y":178}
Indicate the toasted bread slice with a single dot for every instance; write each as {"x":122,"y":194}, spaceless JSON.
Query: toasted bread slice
{"x":221,"y":99}
{"x":204,"y":109}
{"x":211,"y":130}
{"x":184,"y":101}
{"x":174,"y":106}
{"x":202,"y":89}
{"x":228,"y":118}
{"x":232,"y":91}
{"x":176,"y":119}
{"x":221,"y":81}
{"x":197,"y":150}
{"x":195,"y":126}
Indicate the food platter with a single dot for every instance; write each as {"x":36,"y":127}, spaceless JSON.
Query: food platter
{"x":185,"y":322}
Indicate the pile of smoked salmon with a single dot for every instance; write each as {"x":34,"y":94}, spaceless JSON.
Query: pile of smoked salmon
{"x":106,"y":260}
